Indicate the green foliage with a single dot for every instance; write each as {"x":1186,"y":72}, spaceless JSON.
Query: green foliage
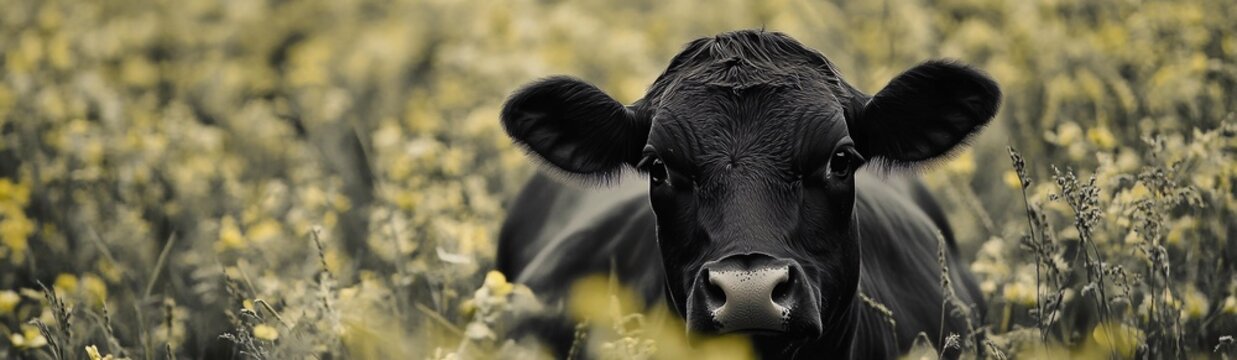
{"x":326,"y":178}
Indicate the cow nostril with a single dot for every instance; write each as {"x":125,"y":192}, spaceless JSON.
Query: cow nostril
{"x":714,"y":294}
{"x":781,"y":292}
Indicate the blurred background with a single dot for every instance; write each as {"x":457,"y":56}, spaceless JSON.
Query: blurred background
{"x":326,"y":178}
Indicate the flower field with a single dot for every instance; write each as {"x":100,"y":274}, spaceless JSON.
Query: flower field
{"x":325,"y":179}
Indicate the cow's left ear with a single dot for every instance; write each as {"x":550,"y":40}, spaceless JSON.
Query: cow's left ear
{"x":925,"y":113}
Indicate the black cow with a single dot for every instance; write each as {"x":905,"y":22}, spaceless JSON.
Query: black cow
{"x":774,"y":195}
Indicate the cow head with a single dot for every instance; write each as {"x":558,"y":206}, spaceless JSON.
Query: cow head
{"x":750,"y":142}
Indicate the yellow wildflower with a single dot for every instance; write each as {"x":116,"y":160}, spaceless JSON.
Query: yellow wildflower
{"x":1019,"y":293}
{"x":31,"y":294}
{"x":1118,"y":339}
{"x":1011,"y":179}
{"x":987,"y":287}
{"x":265,"y":332}
{"x":15,"y":230}
{"x":230,"y":237}
{"x":497,"y":283}
{"x":93,"y":353}
{"x":28,"y":338}
{"x":16,"y":193}
{"x":1171,"y":300}
{"x":264,"y":230}
{"x":468,"y":308}
{"x":1067,"y":133}
{"x":1139,"y":191}
{"x":1230,"y":305}
{"x":1101,"y":137}
{"x":335,"y":262}
{"x":65,"y":283}
{"x":1181,"y":229}
{"x":95,"y":288}
{"x":138,"y":71}
{"x":341,"y":202}
{"x":8,"y":301}
{"x":110,"y":270}
{"x":1195,"y":306}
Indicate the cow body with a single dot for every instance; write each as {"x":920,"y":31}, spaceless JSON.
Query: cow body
{"x":757,"y":211}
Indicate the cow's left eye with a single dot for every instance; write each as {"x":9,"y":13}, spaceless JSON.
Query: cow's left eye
{"x":841,"y":164}
{"x":655,"y":168}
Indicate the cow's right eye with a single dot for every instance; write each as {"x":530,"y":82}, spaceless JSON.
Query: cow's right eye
{"x":840,"y":166}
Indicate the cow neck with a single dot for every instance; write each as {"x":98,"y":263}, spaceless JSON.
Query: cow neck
{"x":861,"y":332}
{"x":839,"y":338}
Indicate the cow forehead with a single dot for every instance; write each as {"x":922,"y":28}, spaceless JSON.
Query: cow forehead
{"x":750,"y":104}
{"x":745,"y":96}
{"x":758,"y":124}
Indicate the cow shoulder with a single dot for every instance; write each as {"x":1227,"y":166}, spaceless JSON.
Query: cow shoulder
{"x":558,"y":233}
{"x":900,"y":257}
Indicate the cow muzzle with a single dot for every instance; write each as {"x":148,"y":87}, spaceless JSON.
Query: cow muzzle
{"x":752,"y":293}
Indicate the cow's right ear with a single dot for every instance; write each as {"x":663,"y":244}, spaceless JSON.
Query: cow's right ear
{"x":575,"y":127}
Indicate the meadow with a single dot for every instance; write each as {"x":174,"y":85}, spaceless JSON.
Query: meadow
{"x":326,"y":179}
